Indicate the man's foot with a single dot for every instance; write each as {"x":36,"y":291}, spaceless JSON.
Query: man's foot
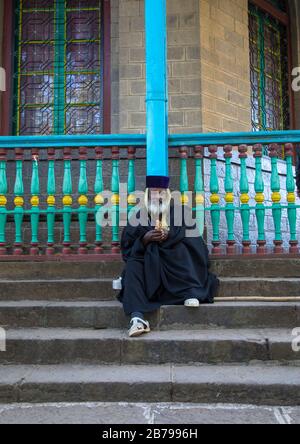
{"x":138,"y":327}
{"x":192,"y":303}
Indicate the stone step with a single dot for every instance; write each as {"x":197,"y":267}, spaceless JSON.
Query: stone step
{"x":112,"y":346}
{"x":234,"y":384}
{"x":110,"y":314}
{"x":101,"y":288}
{"x":111,"y":266}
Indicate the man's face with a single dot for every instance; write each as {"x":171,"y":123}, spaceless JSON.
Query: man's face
{"x":158,"y":200}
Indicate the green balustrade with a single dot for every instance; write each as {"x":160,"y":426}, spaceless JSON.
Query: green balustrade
{"x":259,"y":187}
{"x":3,"y":202}
{"x":291,"y":198}
{"x":98,"y":189}
{"x":244,"y":198}
{"x":215,"y":209}
{"x":67,"y":201}
{"x":276,"y":197}
{"x":115,"y":199}
{"x":52,"y":211}
{"x":83,"y":201}
{"x":229,"y":199}
{"x":19,"y":202}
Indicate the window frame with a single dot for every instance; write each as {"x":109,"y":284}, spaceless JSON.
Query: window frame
{"x":283,"y":18}
{"x":6,"y":126}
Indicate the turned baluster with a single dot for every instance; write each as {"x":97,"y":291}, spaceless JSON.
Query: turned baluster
{"x":99,"y":200}
{"x":51,"y":190}
{"x":199,"y":189}
{"x":115,"y":199}
{"x":83,"y":201}
{"x":229,"y":198}
{"x":260,"y":211}
{"x":244,"y":198}
{"x":291,"y":198}
{"x":215,"y":200}
{"x":3,"y":202}
{"x":276,"y":198}
{"x":67,"y":200}
{"x":19,"y":202}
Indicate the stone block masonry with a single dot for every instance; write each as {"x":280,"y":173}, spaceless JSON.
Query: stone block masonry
{"x":128,"y":66}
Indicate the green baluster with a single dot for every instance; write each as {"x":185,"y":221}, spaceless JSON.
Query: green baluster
{"x":276,"y":198}
{"x":35,"y":191}
{"x":83,"y":200}
{"x":3,"y":202}
{"x":215,"y":200}
{"x":229,"y":198}
{"x":291,"y":198}
{"x":199,"y":189}
{"x":19,"y":202}
{"x":184,"y":180}
{"x":115,"y":187}
{"x":98,"y":188}
{"x":260,"y":199}
{"x":244,"y":190}
{"x":67,"y":200}
{"x":131,"y":178}
{"x":51,"y":190}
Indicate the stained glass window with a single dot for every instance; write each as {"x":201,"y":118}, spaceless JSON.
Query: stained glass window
{"x":268,"y":71}
{"x":58,"y":67}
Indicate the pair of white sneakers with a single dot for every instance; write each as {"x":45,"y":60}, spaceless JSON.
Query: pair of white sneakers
{"x":139,"y":326}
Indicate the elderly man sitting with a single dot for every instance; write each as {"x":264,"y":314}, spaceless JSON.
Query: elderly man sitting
{"x":163,"y":266}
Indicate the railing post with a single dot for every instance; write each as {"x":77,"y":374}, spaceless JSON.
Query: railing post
{"x":98,"y":189}
{"x":3,"y":202}
{"x":51,"y":189}
{"x":259,"y":198}
{"x":244,"y":190}
{"x":291,"y":198}
{"x":19,"y":202}
{"x":67,"y":200}
{"x":131,"y":200}
{"x":35,"y":190}
{"x":276,"y":198}
{"x":199,"y":189}
{"x":83,"y":201}
{"x":215,"y":200}
{"x":229,"y":198}
{"x":184,"y":180}
{"x":115,"y":199}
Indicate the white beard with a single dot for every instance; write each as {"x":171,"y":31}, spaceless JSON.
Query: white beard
{"x":157,"y":210}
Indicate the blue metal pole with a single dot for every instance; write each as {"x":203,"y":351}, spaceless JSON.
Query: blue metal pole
{"x":156,"y":87}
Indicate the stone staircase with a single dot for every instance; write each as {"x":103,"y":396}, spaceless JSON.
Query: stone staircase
{"x":67,"y":338}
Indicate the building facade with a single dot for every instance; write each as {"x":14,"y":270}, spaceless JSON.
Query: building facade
{"x":78,"y":67}
{"x":212,"y":46}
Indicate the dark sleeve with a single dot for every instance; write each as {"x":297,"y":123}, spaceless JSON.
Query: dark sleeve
{"x":131,"y":242}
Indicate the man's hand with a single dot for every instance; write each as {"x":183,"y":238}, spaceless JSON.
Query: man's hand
{"x":154,"y":236}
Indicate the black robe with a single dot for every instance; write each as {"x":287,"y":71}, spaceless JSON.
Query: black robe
{"x":164,"y":273}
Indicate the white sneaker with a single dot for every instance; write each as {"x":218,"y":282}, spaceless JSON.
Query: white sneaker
{"x":192,"y":303}
{"x":138,"y":327}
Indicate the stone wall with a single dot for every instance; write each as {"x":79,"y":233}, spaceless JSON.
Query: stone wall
{"x":128,"y":66}
{"x":225,"y":75}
